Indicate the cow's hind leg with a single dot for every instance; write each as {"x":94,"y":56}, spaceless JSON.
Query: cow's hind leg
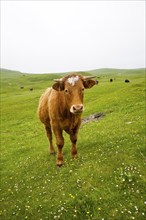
{"x":49,"y":135}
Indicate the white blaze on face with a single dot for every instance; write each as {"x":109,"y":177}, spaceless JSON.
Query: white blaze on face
{"x":72,"y":80}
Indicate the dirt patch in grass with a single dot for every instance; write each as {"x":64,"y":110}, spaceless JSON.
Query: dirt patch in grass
{"x":93,"y":117}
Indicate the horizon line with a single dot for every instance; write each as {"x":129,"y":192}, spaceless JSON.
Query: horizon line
{"x":112,"y":68}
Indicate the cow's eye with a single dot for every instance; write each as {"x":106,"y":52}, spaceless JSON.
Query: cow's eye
{"x":66,"y":91}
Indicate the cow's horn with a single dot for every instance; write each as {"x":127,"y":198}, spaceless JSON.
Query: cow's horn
{"x":58,"y":80}
{"x":88,"y":77}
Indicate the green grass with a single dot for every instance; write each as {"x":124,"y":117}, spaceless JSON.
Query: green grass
{"x":108,"y":179}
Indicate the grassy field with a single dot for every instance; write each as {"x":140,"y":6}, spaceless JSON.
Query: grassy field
{"x":108,"y":179}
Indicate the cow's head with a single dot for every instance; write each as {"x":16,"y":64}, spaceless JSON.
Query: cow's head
{"x":73,"y":87}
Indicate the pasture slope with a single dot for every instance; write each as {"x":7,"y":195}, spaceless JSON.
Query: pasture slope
{"x":108,"y":179}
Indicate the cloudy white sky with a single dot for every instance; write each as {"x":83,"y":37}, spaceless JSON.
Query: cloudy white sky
{"x":58,"y":36}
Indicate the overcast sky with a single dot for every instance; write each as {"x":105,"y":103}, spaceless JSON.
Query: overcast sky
{"x":61,"y":36}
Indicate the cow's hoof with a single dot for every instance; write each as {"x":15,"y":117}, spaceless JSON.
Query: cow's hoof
{"x":52,"y":153}
{"x":59,"y":163}
{"x":74,"y":155}
{"x":74,"y":152}
{"x":51,"y":150}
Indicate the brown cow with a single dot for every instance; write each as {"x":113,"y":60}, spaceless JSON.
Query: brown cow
{"x":60,"y":108}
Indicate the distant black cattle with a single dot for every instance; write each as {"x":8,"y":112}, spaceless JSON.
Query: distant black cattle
{"x":127,"y":81}
{"x":111,"y":80}
{"x":31,"y":89}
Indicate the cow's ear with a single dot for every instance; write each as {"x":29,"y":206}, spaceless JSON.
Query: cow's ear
{"x":58,"y":86}
{"x":89,"y":83}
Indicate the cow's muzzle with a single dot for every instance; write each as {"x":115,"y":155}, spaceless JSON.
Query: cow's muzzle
{"x":77,"y":109}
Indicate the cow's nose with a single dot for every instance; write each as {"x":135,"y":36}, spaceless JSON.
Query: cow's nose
{"x":77,"y":108}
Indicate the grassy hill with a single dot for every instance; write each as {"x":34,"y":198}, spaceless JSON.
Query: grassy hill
{"x":5,"y":73}
{"x":107,"y":180}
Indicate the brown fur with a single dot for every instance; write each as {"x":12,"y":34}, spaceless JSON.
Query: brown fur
{"x":55,"y":108}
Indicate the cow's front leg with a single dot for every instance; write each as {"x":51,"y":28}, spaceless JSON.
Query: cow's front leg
{"x":60,"y":144}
